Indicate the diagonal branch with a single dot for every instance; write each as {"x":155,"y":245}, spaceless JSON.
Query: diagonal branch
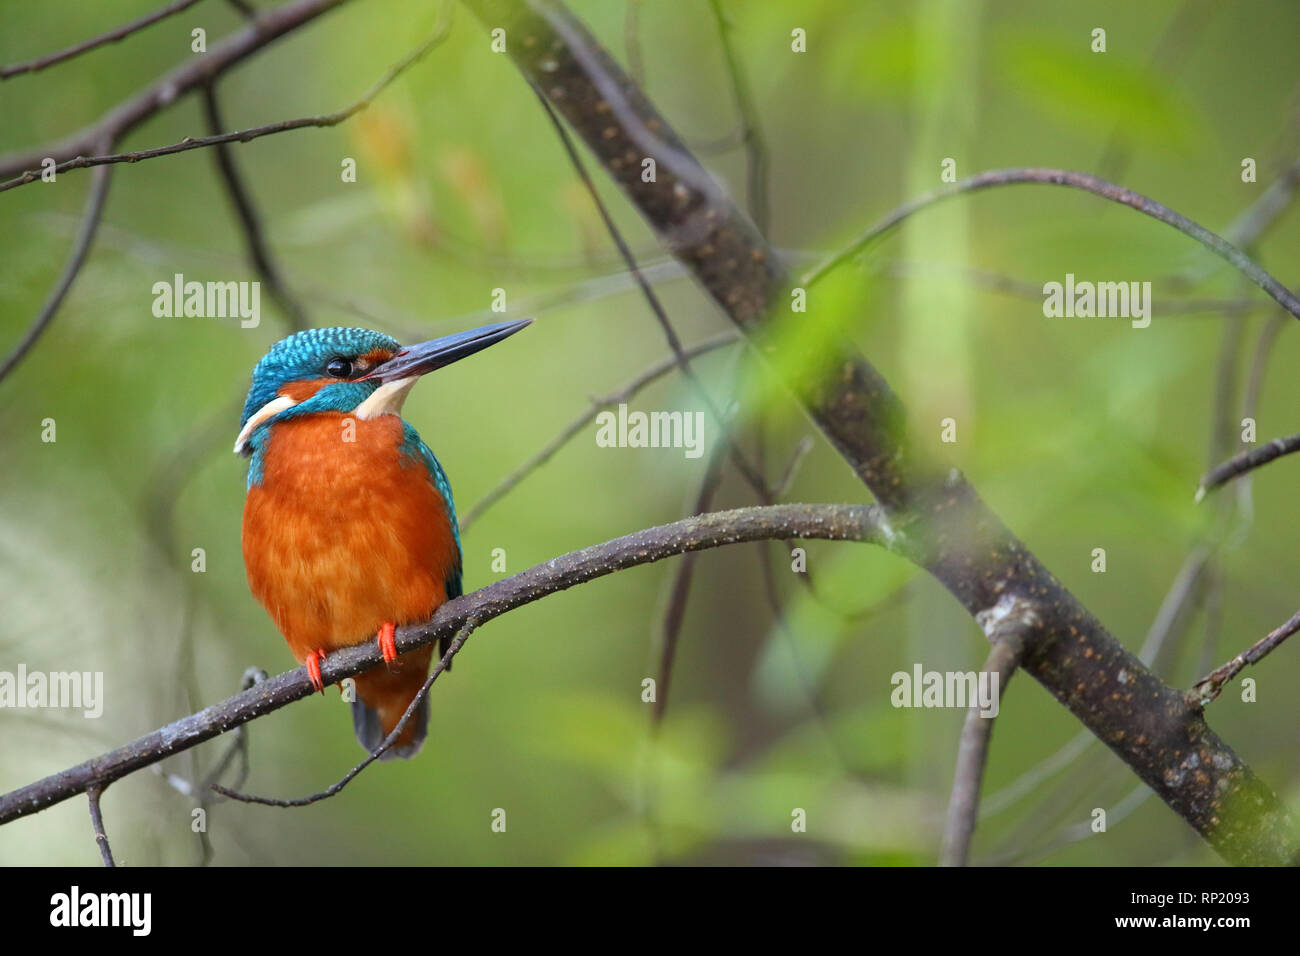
{"x":1007,"y":635}
{"x":193,"y":73}
{"x":652,"y":374}
{"x":1246,"y":461}
{"x":254,"y":236}
{"x":829,"y":522}
{"x":80,"y":250}
{"x":95,"y":42}
{"x":950,"y":531}
{"x":1208,"y":688}
{"x":243,"y":135}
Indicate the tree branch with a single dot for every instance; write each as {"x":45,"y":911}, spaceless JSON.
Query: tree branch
{"x":244,"y":135}
{"x":97,"y":823}
{"x":652,"y":374}
{"x":1209,"y":687}
{"x":85,"y":46}
{"x":80,"y":250}
{"x":1008,"y":638}
{"x":830,"y":522}
{"x":265,"y":29}
{"x":1247,"y":461}
{"x":452,"y":650}
{"x":250,"y":222}
{"x":948,"y":528}
{"x":1074,"y":180}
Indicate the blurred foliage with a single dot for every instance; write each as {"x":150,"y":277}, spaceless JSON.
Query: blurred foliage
{"x":1081,"y":433}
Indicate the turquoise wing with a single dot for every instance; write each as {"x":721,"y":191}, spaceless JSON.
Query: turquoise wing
{"x":414,"y":446}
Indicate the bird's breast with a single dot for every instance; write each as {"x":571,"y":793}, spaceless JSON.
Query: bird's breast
{"x":345,"y":531}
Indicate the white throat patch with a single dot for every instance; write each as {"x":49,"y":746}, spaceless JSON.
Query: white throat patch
{"x":387,"y":399}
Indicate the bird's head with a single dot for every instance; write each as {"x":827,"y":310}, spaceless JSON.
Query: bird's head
{"x":356,"y":371}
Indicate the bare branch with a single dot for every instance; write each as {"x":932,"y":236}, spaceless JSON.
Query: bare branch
{"x":670,"y":630}
{"x":85,"y":46}
{"x":193,"y":73}
{"x":948,"y":528}
{"x":80,"y":250}
{"x":1247,"y":461}
{"x":1250,"y":226}
{"x":1209,"y":687}
{"x":97,"y":822}
{"x":249,"y":220}
{"x":7,"y":163}
{"x":652,"y":374}
{"x":1008,"y":636}
{"x":1010,"y":285}
{"x":746,"y":469}
{"x":830,"y":522}
{"x":461,"y":637}
{"x":1074,"y":180}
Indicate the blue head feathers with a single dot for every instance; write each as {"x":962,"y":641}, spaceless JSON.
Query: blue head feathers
{"x":307,"y":355}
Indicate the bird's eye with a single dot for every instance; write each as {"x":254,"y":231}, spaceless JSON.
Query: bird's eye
{"x":339,"y":367}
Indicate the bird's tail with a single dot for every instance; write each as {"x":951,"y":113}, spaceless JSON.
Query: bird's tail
{"x":383,"y":694}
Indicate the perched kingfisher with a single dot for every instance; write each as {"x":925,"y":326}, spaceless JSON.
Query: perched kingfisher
{"x":349,"y":525}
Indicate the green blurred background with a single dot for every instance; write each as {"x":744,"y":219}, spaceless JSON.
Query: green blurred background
{"x":1082,"y":433}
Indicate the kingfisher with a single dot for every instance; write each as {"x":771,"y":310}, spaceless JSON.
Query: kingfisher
{"x":349,"y":525}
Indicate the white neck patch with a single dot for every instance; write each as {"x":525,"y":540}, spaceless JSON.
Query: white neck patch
{"x":269,"y":410}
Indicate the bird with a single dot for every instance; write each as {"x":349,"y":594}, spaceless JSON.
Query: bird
{"x":349,"y":526}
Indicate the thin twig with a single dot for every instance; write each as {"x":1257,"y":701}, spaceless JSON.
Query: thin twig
{"x":1247,"y":461}
{"x":85,"y":46}
{"x":751,"y":130}
{"x":97,"y":822}
{"x":1012,"y":855}
{"x":992,"y":281}
{"x":801,"y":450}
{"x":167,"y":89}
{"x":652,"y":374}
{"x":670,"y":630}
{"x":241,"y":198}
{"x":80,"y":250}
{"x":1259,"y":362}
{"x":238,"y":136}
{"x":1209,"y":687}
{"x":738,"y":459}
{"x":233,"y":792}
{"x":1248,"y":228}
{"x":1074,"y":180}
{"x":1007,"y":635}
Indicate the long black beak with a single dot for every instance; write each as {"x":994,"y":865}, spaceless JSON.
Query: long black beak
{"x":417,"y":359}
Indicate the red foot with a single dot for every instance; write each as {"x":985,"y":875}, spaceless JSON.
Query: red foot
{"x":388,"y":641}
{"x":313,"y":669}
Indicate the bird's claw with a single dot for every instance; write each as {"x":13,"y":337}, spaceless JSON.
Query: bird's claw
{"x":388,"y":641}
{"x":313,"y":669}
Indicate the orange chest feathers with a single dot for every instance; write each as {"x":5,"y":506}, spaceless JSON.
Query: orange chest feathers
{"x":342,"y":535}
